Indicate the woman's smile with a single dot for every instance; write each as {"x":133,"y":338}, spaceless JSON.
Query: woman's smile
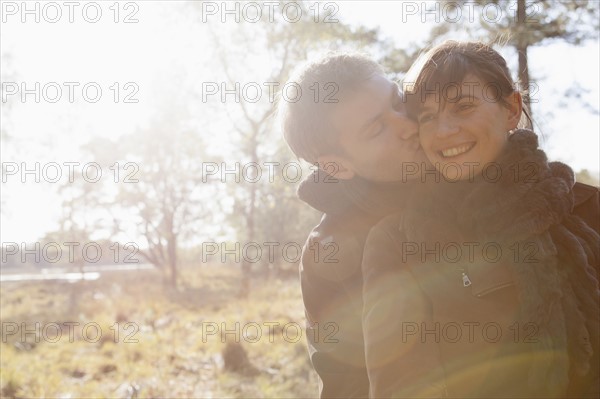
{"x":456,"y":150}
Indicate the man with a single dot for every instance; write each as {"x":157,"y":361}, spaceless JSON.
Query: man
{"x":362,"y":140}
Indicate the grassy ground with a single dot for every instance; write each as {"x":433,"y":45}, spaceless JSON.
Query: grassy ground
{"x":167,"y":350}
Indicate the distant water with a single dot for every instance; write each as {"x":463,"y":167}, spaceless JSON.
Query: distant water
{"x":89,"y":273}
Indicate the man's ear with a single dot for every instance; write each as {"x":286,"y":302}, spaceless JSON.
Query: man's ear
{"x":336,"y":166}
{"x":515,"y":109}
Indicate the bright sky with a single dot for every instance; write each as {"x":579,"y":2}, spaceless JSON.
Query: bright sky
{"x":166,"y":45}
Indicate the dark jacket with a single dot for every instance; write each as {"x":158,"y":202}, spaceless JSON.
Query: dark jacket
{"x":438,"y":325}
{"x":331,"y":279}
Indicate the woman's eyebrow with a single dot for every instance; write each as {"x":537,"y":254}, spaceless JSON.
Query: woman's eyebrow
{"x":465,"y":95}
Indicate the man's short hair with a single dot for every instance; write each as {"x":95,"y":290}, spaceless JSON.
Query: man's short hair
{"x":322,"y":83}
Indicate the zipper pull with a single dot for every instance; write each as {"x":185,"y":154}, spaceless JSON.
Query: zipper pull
{"x":466,"y":280}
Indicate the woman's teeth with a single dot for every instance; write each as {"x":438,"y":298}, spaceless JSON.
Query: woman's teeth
{"x":454,"y":151}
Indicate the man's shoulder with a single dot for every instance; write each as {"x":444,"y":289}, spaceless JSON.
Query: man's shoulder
{"x":584,"y":192}
{"x":390,"y":226}
{"x":385,"y":238}
{"x":334,"y":248}
{"x":587,"y":204}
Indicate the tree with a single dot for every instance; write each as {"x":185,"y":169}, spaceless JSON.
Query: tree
{"x":155,"y":190}
{"x":524,"y":24}
{"x":8,"y":74}
{"x":168,"y":200}
{"x":287,"y":44}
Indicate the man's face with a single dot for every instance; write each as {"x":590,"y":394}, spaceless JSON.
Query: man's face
{"x":376,"y":136}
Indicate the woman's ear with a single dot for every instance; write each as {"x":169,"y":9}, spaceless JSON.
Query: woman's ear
{"x":336,"y":166}
{"x":515,"y":109}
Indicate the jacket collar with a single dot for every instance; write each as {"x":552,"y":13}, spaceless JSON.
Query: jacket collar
{"x":336,"y":197}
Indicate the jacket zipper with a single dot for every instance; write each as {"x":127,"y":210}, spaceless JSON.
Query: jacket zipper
{"x":465,"y":278}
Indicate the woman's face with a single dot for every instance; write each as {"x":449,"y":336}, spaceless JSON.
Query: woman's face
{"x":463,"y":128}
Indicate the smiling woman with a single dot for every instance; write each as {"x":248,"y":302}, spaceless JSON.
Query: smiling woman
{"x":535,"y":294}
{"x":466,"y":103}
{"x":470,"y":130}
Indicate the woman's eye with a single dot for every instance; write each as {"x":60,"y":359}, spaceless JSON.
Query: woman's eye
{"x":465,"y":106}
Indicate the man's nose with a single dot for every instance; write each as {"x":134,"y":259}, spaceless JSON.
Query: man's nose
{"x":405,"y":127}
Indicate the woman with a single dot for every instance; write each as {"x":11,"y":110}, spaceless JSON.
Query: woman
{"x":487,"y":286}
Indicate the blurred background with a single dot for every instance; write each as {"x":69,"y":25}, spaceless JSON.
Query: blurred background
{"x":150,"y":228}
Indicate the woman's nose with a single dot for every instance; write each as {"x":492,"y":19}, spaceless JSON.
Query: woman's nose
{"x":447,"y":126}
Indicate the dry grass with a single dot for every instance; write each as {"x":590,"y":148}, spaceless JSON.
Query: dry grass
{"x":166,"y":351}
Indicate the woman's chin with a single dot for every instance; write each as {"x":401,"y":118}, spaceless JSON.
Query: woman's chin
{"x":458,"y":171}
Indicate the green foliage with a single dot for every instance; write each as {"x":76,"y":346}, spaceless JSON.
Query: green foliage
{"x":569,"y":20}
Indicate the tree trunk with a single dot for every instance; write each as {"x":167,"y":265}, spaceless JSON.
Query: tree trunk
{"x":172,"y":250}
{"x":246,"y":265}
{"x":522,"y":46}
{"x":250,"y":226}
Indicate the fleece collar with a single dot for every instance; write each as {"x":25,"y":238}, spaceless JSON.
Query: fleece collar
{"x":336,"y":197}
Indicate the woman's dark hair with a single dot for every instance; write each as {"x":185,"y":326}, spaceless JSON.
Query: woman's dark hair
{"x":447,"y":64}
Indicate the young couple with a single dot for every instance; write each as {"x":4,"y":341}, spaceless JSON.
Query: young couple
{"x":476,"y":276}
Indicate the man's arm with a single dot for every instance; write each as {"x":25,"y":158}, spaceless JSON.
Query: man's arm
{"x":331,"y":284}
